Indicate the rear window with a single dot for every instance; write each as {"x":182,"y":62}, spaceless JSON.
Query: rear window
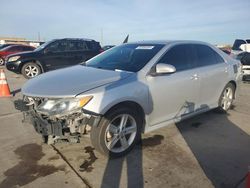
{"x":77,"y":45}
{"x":237,"y":44}
{"x":93,"y":45}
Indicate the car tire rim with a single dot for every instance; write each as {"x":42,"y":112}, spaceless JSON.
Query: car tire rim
{"x":227,"y":98}
{"x":1,"y":61}
{"x":31,"y":71}
{"x":120,"y":133}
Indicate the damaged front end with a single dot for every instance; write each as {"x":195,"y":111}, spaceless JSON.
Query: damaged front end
{"x":59,"y":119}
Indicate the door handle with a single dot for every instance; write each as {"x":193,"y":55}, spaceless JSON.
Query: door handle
{"x":194,"y":77}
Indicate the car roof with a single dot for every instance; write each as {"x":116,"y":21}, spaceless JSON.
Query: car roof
{"x":84,"y":39}
{"x":166,"y":42}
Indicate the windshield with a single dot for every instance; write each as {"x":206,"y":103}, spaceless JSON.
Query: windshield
{"x":42,"y":46}
{"x":128,"y":57}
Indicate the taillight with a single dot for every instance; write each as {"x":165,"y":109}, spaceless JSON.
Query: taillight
{"x":101,"y":50}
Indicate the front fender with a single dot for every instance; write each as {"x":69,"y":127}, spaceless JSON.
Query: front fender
{"x":106,"y":97}
{"x":31,"y":60}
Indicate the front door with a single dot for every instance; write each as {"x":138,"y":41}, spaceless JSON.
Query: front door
{"x":176,"y":94}
{"x":55,"y":55}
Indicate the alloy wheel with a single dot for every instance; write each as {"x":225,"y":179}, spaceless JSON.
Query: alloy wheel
{"x":120,"y":133}
{"x":227,"y":98}
{"x":31,"y":71}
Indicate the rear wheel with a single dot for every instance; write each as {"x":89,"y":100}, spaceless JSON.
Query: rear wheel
{"x":30,"y":70}
{"x":227,"y":97}
{"x":117,"y":132}
{"x":1,"y":61}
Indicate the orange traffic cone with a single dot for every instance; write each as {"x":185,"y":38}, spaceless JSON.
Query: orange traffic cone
{"x":248,"y":178}
{"x":4,"y":88}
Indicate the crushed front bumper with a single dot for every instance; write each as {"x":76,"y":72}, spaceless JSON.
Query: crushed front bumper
{"x":58,"y":130}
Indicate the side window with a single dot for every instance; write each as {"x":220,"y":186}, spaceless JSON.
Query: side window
{"x":23,"y":48}
{"x":219,"y":59}
{"x":182,"y":57}
{"x":73,"y":45}
{"x":27,"y":48}
{"x":77,"y":45}
{"x":14,"y":48}
{"x":206,"y":55}
{"x":58,"y":46}
{"x":93,"y":45}
{"x":53,"y":47}
{"x":82,"y":45}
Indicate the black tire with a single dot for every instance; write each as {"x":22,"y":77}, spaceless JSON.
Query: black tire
{"x":29,"y":75}
{"x":98,"y":133}
{"x":1,"y":61}
{"x":222,"y":107}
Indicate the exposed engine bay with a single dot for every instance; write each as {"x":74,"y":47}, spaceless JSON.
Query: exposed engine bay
{"x":65,"y":127}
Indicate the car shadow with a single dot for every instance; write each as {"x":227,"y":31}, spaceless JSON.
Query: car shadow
{"x":134,"y":159}
{"x":134,"y":165}
{"x":114,"y":167}
{"x":221,"y":148}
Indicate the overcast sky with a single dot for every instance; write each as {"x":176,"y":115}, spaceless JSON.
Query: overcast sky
{"x":214,"y":21}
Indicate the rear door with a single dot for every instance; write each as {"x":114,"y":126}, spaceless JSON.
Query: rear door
{"x":213,"y":74}
{"x":177,"y":94}
{"x":78,"y":52}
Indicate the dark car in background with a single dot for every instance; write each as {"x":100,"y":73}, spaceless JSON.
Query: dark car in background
{"x":241,"y":51}
{"x":12,"y":49}
{"x":55,"y":54}
{"x":5,"y":45}
{"x":244,"y":58}
{"x":107,"y":47}
{"x":237,"y":49}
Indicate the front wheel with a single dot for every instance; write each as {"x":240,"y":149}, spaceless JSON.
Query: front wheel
{"x":226,"y":98}
{"x":117,"y":133}
{"x":30,"y":70}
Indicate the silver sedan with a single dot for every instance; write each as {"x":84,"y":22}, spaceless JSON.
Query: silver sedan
{"x":131,"y":89}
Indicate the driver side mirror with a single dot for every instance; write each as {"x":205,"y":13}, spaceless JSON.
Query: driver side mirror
{"x":163,"y":68}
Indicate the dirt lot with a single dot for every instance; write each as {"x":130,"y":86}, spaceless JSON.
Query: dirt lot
{"x":209,"y":150}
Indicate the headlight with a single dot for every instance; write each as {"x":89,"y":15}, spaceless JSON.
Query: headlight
{"x":14,"y":58}
{"x":62,"y":106}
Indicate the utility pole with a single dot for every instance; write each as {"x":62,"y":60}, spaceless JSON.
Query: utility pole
{"x":38,"y":35}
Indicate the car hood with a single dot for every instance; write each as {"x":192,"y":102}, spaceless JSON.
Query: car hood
{"x":24,"y":54}
{"x":69,"y":82}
